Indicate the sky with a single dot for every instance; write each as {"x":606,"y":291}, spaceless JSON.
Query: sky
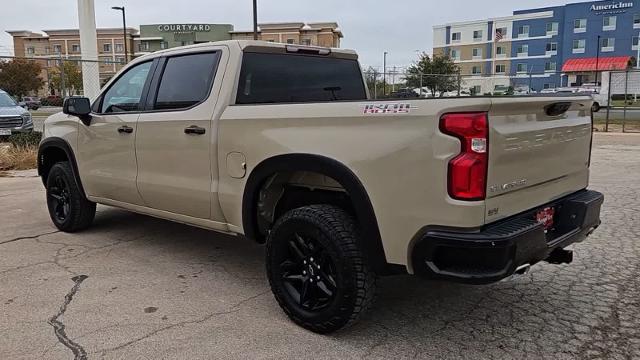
{"x":403,"y":28}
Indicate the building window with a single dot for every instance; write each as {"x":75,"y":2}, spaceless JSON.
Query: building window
{"x":501,"y":69}
{"x":476,"y":70}
{"x":552,"y":48}
{"x":523,"y":31}
{"x":164,"y":45}
{"x":106,"y":47}
{"x":580,"y":26}
{"x":47,"y":50}
{"x":476,"y":90}
{"x":477,"y":35}
{"x":521,"y":68}
{"x":523,"y":50}
{"x":143,"y":46}
{"x":609,"y":23}
{"x":636,"y":21}
{"x":455,"y":54}
{"x":503,"y":31}
{"x":75,"y":48}
{"x":119,"y":48}
{"x":306,"y":41}
{"x":31,"y":50}
{"x":456,"y":37}
{"x":120,"y":60}
{"x":501,"y":51}
{"x":634,"y":43}
{"x":552,"y":28}
{"x":608,"y":44}
{"x":550,"y":67}
{"x":57,"y":49}
{"x":579,"y":46}
{"x":291,"y":41}
{"x":477,"y":53}
{"x":548,"y":86}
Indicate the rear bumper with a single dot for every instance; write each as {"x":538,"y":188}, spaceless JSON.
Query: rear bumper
{"x":497,"y":250}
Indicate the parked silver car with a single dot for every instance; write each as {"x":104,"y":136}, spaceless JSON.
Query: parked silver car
{"x":13,"y":118}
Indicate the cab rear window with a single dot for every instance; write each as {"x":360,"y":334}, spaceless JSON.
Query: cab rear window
{"x":281,"y":78}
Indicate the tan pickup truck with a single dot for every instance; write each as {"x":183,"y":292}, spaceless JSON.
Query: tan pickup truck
{"x":281,"y":144}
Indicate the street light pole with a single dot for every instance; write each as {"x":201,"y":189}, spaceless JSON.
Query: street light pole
{"x":384,"y":75}
{"x":255,"y":19}
{"x":597,"y":59}
{"x":124,"y":31}
{"x":638,"y":57}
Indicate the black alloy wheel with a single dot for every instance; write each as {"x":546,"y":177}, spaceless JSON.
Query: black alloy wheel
{"x":309,"y":273}
{"x":58,"y":197}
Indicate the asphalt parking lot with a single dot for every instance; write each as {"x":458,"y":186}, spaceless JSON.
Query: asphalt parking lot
{"x":135,"y":287}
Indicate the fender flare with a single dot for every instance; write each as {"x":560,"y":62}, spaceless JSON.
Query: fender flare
{"x":365,"y":215}
{"x":61,"y":144}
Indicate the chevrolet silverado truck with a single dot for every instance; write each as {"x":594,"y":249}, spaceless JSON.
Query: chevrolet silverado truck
{"x":282,"y":144}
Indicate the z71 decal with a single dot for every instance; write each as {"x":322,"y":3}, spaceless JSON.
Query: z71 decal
{"x":387,"y":108}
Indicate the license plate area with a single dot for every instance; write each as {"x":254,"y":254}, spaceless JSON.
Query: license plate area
{"x":546,"y":217}
{"x":5,"y":132}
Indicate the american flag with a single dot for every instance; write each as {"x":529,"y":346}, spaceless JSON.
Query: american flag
{"x":499,"y":34}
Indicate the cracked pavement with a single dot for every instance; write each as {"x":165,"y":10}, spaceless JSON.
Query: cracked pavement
{"x":137,"y":287}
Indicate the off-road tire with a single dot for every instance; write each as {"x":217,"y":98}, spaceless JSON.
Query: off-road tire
{"x":80,"y":210}
{"x":336,"y":231}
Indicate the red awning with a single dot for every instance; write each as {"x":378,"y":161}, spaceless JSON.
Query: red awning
{"x":589,"y":64}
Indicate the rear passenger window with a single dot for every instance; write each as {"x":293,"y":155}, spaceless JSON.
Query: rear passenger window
{"x":281,"y":78}
{"x":186,"y":81}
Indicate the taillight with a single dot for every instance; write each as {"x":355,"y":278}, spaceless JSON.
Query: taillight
{"x":467,"y":176}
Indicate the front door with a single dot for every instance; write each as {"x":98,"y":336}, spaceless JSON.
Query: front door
{"x":176,"y":141}
{"x":107,"y":158}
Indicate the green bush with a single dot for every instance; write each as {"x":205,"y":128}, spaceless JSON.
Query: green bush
{"x":25,"y":139}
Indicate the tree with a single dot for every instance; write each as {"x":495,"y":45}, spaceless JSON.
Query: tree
{"x":67,"y":78}
{"x":437,"y":73}
{"x":20,"y":77}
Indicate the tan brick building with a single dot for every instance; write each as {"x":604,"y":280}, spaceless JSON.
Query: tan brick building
{"x":51,"y":46}
{"x":326,"y":34}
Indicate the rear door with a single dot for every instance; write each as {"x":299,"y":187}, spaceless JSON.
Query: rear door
{"x":176,"y":142}
{"x":539,"y":150}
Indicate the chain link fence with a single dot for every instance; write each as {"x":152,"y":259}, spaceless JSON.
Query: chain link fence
{"x":403,"y":83}
{"x":620,"y":99}
{"x":49,"y":79}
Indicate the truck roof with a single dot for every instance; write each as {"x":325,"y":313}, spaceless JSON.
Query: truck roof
{"x":260,"y":46}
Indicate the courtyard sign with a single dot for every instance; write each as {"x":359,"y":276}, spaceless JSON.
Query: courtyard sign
{"x":613,"y":6}
{"x":184,"y":28}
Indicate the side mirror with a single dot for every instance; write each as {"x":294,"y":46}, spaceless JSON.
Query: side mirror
{"x":78,"y":106}
{"x":22,"y":104}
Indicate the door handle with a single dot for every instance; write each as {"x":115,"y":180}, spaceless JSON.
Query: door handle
{"x":195,"y":130}
{"x":125,"y":129}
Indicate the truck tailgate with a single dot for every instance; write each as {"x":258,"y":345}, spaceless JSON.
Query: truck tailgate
{"x":539,"y":150}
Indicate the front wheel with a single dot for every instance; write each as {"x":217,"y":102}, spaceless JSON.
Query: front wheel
{"x":69,"y":210}
{"x":317,"y":270}
{"x":595,"y":107}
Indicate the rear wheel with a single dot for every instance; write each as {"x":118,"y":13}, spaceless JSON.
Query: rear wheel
{"x":69,"y":210}
{"x":595,"y":107}
{"x":316,"y":269}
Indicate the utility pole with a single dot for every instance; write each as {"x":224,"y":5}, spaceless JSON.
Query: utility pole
{"x":597,"y":60}
{"x":124,"y":32}
{"x":255,"y":19}
{"x":384,"y":75}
